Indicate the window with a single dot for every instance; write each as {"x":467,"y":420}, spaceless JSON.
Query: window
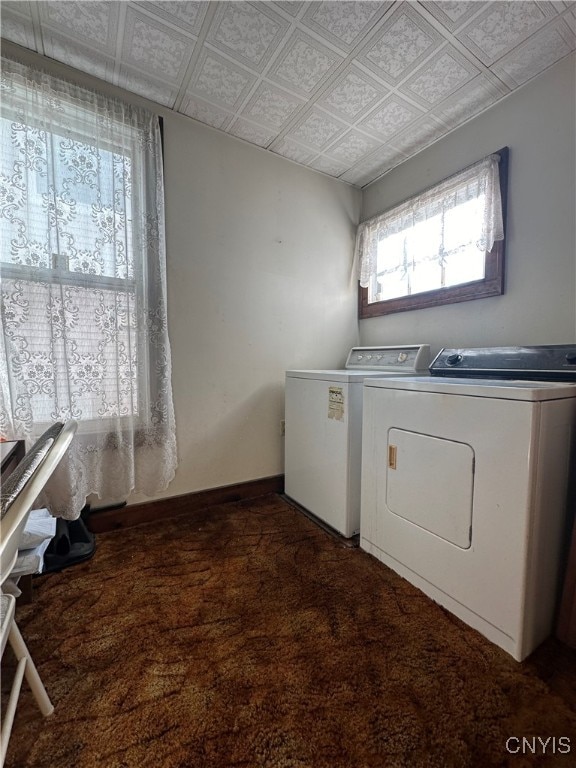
{"x":77,"y":235}
{"x":73,"y":292}
{"x":84,"y":331}
{"x":441,"y":246}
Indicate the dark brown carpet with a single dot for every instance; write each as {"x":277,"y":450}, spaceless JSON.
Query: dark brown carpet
{"x":247,"y":636}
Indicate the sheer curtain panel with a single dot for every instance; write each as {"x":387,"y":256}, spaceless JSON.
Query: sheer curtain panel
{"x":83,"y":285}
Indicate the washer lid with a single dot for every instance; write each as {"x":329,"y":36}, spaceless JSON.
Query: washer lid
{"x":495,"y":388}
{"x":336,"y":375}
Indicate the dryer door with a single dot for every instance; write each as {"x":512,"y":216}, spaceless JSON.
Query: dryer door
{"x":430,"y":482}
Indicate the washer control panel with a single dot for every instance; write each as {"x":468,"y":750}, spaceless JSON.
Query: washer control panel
{"x":411,"y":358}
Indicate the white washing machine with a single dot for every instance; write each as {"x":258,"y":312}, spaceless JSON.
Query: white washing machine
{"x":464,"y":484}
{"x":324,"y":431}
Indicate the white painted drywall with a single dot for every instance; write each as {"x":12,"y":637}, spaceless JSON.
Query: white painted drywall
{"x":259,"y":259}
{"x":537,"y":122}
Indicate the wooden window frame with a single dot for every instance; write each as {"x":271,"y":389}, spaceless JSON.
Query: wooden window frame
{"x":492,"y":284}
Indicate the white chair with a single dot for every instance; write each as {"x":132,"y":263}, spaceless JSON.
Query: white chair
{"x":18,"y":494}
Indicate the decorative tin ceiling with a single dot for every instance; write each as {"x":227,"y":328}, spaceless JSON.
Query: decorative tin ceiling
{"x":350,"y":89}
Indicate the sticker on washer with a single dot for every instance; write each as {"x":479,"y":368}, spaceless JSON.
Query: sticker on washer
{"x":336,"y":403}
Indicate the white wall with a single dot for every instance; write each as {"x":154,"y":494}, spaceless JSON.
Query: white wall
{"x":537,"y":122}
{"x":259,"y":258}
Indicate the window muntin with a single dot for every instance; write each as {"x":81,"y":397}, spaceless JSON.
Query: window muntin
{"x":425,"y":251}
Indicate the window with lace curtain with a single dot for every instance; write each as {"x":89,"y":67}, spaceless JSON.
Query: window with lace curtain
{"x":442,"y":246}
{"x":83,"y":283}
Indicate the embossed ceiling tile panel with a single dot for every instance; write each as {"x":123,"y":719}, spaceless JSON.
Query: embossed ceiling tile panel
{"x":144,"y":85}
{"x":93,"y":23}
{"x":343,"y":22}
{"x":290,"y":7}
{"x":502,"y":26}
{"x":249,"y":33}
{"x":17,"y":29}
{"x":390,"y":118}
{"x":19,"y":6}
{"x":447,"y":71}
{"x":205,"y":112}
{"x":251,"y":132}
{"x":220,"y":81}
{"x":352,"y":147}
{"x":329,"y":166}
{"x":403,"y":42}
{"x":155,"y":48}
{"x":271,"y":106}
{"x":570,"y":19}
{"x":303,"y":64}
{"x":373,"y":166}
{"x":352,"y":94}
{"x":535,"y":55}
{"x":186,"y":15}
{"x":419,"y":135}
{"x":78,"y":56}
{"x":453,"y":13}
{"x":358,"y":178}
{"x":476,"y":96}
{"x":317,"y":129}
{"x":294,"y":151}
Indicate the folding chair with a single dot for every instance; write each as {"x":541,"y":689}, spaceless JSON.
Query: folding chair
{"x":17,"y":496}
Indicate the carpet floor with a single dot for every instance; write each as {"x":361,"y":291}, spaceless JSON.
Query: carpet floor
{"x":246,"y":636}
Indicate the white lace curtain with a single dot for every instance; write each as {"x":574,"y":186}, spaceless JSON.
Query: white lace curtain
{"x":479,"y":182}
{"x":83,"y":286}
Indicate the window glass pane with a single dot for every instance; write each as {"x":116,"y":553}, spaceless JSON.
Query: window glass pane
{"x":391,"y":279}
{"x":82,"y":338}
{"x":461,"y":223}
{"x":18,"y":180}
{"x":426,"y":275}
{"x":463,"y":266}
{"x":66,"y":208}
{"x":70,"y":198}
{"x":423,"y":241}
{"x":434,"y":253}
{"x":393,"y":284}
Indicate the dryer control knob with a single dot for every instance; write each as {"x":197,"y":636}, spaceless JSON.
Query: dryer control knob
{"x":454,"y":359}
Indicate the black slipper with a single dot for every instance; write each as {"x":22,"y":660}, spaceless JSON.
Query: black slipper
{"x":73,"y":543}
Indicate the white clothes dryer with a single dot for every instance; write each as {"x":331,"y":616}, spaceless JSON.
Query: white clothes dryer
{"x":464,"y":484}
{"x":323,"y":430}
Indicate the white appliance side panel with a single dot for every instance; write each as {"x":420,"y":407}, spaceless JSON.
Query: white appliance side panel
{"x":548,"y":527}
{"x":416,"y":461}
{"x":495,"y":635}
{"x":370,"y":468}
{"x":317,"y":449}
{"x":355,"y":402}
{"x":488,"y":577}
